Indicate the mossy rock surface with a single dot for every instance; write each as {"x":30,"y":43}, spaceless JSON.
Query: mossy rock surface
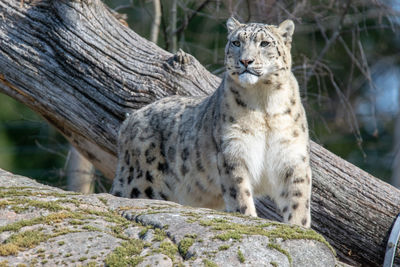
{"x":42,"y":225}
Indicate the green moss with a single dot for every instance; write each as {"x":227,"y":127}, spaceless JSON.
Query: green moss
{"x":75,"y":222}
{"x":103,"y":200}
{"x":208,"y":263}
{"x":159,"y":235}
{"x":191,"y":220}
{"x":4,"y":203}
{"x":91,"y":264}
{"x":167,"y":248}
{"x":224,"y":247}
{"x":118,"y":229}
{"x":109,"y":216}
{"x":143,"y":232}
{"x":191,"y":214}
{"x":63,"y":231}
{"x":184,"y":246}
{"x":91,"y":228}
{"x":274,"y":264}
{"x":240,"y":256}
{"x":30,"y":239}
{"x":270,"y":230}
{"x":10,"y":192}
{"x":229,"y":235}
{"x":19,"y":209}
{"x":83,"y":258}
{"x":191,"y":217}
{"x":75,"y":217}
{"x":16,"y":187}
{"x":4,"y":264}
{"x":19,"y":191}
{"x":27,"y":239}
{"x":61,"y":243}
{"x":205,"y":223}
{"x":8,"y":249}
{"x":23,"y":204}
{"x":127,"y":254}
{"x":21,"y":241}
{"x":49,"y":219}
{"x":219,"y":220}
{"x":74,"y":201}
{"x":281,"y":250}
{"x":67,"y":255}
{"x":48,"y":205}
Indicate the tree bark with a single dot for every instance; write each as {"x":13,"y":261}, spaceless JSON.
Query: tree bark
{"x":80,"y":173}
{"x":82,"y":70}
{"x":155,"y":27}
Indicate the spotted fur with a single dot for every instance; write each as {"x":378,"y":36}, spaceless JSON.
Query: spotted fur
{"x":248,"y":139}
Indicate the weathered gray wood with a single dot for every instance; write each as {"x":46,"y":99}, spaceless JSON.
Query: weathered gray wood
{"x":82,"y":70}
{"x":80,"y":173}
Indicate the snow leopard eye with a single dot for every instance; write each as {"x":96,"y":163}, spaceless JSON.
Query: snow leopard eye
{"x":236,"y":43}
{"x":264,"y":43}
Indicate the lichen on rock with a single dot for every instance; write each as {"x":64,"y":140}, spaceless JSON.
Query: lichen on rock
{"x":42,"y":225}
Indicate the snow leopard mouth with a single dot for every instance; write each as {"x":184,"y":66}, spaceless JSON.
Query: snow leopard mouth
{"x":250,"y":72}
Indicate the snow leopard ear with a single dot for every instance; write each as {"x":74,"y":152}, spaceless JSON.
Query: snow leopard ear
{"x":232,"y":24}
{"x":287,"y":28}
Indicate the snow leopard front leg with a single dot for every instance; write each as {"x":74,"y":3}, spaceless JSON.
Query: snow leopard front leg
{"x":294,"y":197}
{"x":235,"y":185}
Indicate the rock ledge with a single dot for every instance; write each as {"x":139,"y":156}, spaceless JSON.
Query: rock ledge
{"x":42,"y":225}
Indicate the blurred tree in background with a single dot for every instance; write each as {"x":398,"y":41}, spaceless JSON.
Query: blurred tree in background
{"x":346,"y":59}
{"x":28,"y":145}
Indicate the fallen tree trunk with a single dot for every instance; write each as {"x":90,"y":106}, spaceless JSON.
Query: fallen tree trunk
{"x":77,"y":66}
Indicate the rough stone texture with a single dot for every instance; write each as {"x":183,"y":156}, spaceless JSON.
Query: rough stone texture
{"x":42,"y":225}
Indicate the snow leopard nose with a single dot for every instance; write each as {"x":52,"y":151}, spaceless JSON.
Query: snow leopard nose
{"x":246,"y":62}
